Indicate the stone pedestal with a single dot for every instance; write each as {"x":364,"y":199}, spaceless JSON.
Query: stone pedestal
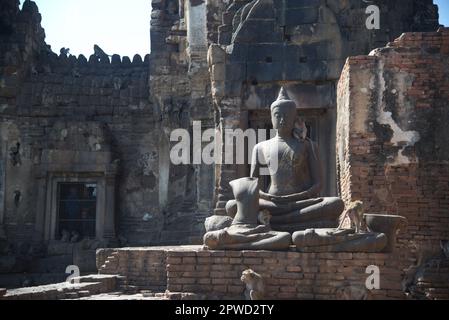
{"x":287,"y":275}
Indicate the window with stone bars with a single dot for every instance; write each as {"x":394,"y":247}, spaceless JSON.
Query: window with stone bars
{"x":77,"y":206}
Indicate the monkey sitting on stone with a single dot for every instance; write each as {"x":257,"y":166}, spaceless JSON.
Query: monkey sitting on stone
{"x":351,"y":292}
{"x":64,"y":51}
{"x":355,"y":214}
{"x":255,"y":289}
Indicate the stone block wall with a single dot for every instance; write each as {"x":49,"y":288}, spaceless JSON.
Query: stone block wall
{"x":287,"y":275}
{"x":125,"y":106}
{"x":392,"y":133}
{"x":144,"y":268}
{"x":301,"y":45}
{"x":91,"y":114}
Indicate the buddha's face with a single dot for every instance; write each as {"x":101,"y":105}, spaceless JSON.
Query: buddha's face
{"x":283,"y":118}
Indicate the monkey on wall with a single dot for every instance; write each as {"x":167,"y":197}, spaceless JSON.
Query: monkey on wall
{"x":255,"y":288}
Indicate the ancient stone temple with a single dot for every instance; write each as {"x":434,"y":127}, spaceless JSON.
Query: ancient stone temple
{"x":86,"y":177}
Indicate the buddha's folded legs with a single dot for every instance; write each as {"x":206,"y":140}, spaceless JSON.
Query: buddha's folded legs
{"x":312,"y":213}
{"x":247,"y":238}
{"x":329,"y":209}
{"x":278,"y":209}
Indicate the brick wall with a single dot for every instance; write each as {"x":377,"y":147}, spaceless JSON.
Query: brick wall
{"x":144,"y":268}
{"x":392,"y":133}
{"x":287,"y":275}
{"x":41,"y":93}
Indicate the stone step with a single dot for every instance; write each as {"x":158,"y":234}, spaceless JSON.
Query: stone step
{"x":72,"y":295}
{"x":432,"y":284}
{"x":129,"y":289}
{"x":83,"y":286}
{"x":84,"y":293}
{"x":21,"y":280}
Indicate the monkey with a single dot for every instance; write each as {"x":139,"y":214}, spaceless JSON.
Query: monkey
{"x":351,"y":292}
{"x":425,"y":258}
{"x":300,"y":130}
{"x":99,"y":53}
{"x":64,"y":51}
{"x":255,"y":289}
{"x":355,"y":213}
{"x":264,"y":217}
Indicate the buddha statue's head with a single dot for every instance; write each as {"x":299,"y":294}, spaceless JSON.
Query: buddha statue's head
{"x":283,"y":113}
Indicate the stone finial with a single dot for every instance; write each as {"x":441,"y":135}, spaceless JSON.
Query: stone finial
{"x":283,"y":99}
{"x":283,"y":95}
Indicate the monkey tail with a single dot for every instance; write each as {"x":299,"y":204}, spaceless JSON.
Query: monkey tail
{"x":342,"y":219}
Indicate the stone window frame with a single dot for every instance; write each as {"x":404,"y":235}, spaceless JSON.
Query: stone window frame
{"x":52,"y":193}
{"x":103,"y":173}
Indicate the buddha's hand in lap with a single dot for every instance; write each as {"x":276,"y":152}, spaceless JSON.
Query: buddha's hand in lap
{"x":275,"y":199}
{"x":303,"y":196}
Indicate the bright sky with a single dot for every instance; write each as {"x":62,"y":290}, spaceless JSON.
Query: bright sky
{"x":444,"y":11}
{"x":117,"y":26}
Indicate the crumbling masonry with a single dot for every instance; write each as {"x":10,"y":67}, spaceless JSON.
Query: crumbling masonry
{"x":379,"y":120}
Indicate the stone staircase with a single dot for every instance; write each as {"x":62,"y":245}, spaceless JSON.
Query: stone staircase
{"x":82,"y":287}
{"x":111,"y":264}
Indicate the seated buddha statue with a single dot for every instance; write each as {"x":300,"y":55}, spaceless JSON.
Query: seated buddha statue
{"x":293,"y":163}
{"x":245,"y":232}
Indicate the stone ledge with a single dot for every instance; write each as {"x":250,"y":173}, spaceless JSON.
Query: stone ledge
{"x":288,"y":275}
{"x":88,"y":285}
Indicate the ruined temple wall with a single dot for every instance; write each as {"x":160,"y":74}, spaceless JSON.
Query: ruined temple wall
{"x":21,"y":36}
{"x":392,"y":134}
{"x":110,"y":95}
{"x":301,"y":45}
{"x":44,"y":124}
{"x":139,"y":102}
{"x":180,"y":92}
{"x":44,"y":97}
